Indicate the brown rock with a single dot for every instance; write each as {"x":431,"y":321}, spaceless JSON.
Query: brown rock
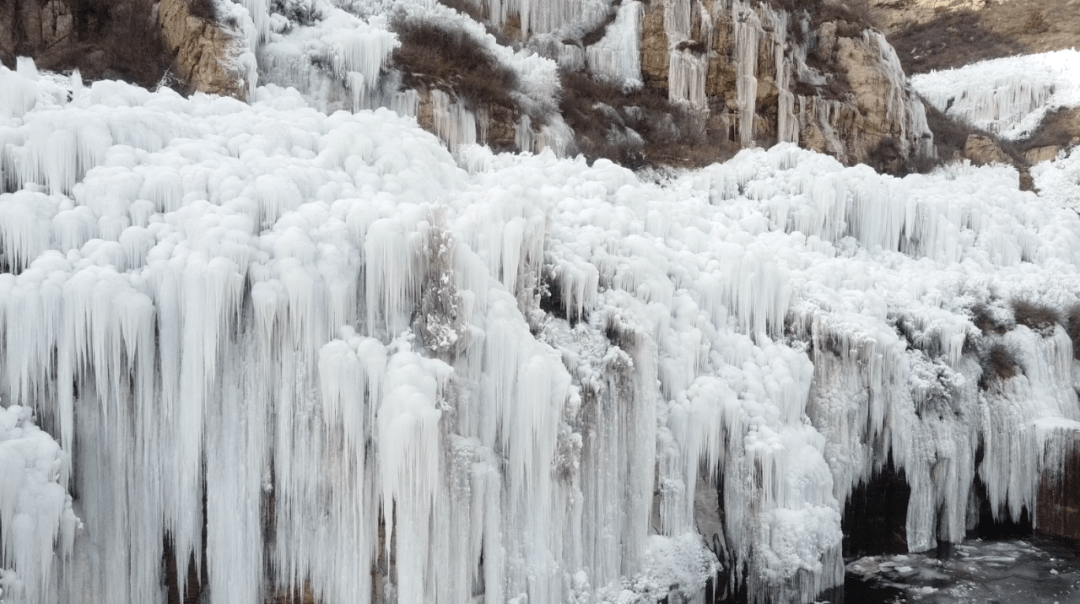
{"x":425,"y":114}
{"x":57,"y":23}
{"x":983,"y":150}
{"x":1058,"y":507}
{"x":206,"y":54}
{"x":654,"y":47}
{"x":497,"y":127}
{"x":869,"y":83}
{"x":1041,"y":154}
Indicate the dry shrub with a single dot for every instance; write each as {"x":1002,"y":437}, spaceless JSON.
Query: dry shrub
{"x":1072,"y":317}
{"x":695,"y":46}
{"x":999,"y":362}
{"x":984,"y":319}
{"x":299,"y":12}
{"x":203,"y":9}
{"x":949,"y":135}
{"x":466,"y":7}
{"x":450,"y":60}
{"x":851,"y":20}
{"x":837,"y":86}
{"x":482,"y":15}
{"x":1034,"y":22}
{"x":1058,"y":128}
{"x":951,"y":39}
{"x":888,"y":158}
{"x":439,"y":319}
{"x":1035,"y":316}
{"x":672,"y":135}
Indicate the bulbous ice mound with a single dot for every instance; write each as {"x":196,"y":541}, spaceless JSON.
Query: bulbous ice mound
{"x":35,"y":508}
{"x":388,"y":374}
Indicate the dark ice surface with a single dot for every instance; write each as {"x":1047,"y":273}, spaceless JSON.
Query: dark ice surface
{"x":1019,"y":571}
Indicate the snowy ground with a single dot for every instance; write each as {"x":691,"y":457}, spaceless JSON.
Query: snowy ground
{"x":1058,"y":180}
{"x":527,"y":374}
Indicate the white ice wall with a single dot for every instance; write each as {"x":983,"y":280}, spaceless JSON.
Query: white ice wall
{"x":1008,"y":96}
{"x":325,"y":317}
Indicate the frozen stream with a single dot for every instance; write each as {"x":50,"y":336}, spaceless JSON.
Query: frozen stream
{"x":1032,"y":571}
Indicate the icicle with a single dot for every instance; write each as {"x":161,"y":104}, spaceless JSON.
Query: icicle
{"x":1008,"y":96}
{"x":20,"y":93}
{"x":617,"y":56}
{"x":452,"y":121}
{"x":746,"y":33}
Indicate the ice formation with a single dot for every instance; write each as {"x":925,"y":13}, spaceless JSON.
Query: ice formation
{"x":339,"y":60}
{"x":368,"y":371}
{"x":337,"y":54}
{"x":1058,"y":180}
{"x":1008,"y":96}
{"x":617,"y":56}
{"x":35,"y":509}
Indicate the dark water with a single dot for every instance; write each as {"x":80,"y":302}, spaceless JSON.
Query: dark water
{"x":1017,"y":571}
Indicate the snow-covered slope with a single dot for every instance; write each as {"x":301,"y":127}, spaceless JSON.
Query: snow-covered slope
{"x":527,"y":379}
{"x":1058,"y":180}
{"x":1007,"y":96}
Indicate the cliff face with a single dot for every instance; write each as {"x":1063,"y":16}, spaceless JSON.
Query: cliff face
{"x":185,"y":43}
{"x":210,"y":55}
{"x":762,"y":75}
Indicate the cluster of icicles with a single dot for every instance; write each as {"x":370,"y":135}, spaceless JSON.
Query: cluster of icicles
{"x":1008,"y":96}
{"x":366,"y":371}
{"x":356,"y":73}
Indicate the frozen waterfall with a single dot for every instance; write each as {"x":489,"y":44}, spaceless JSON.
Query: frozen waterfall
{"x":310,"y":351}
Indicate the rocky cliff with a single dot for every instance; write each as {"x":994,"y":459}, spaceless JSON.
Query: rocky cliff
{"x":193,"y":45}
{"x":763,"y":74}
{"x":728,"y":74}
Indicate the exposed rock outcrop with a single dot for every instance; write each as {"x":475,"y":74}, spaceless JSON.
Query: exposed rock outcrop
{"x":210,"y":57}
{"x":765,"y":75}
{"x":146,"y":42}
{"x":687,"y":81}
{"x":1058,"y":511}
{"x":983,"y":150}
{"x":29,"y":26}
{"x":103,"y":39}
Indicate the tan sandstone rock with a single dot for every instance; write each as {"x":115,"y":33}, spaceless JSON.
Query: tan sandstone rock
{"x":207,"y":55}
{"x":654,"y":46}
{"x":1041,"y":154}
{"x":983,"y":150}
